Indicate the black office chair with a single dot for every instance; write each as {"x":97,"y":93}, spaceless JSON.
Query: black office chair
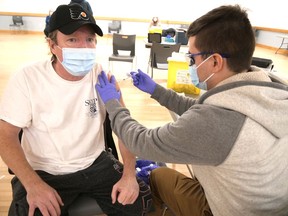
{"x":159,"y":54}
{"x":115,"y":25}
{"x":262,"y":63}
{"x":84,"y":205}
{"x":154,"y":37}
{"x":17,"y":22}
{"x":123,"y":49}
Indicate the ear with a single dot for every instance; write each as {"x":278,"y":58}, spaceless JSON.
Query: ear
{"x":218,"y":63}
{"x":52,"y":45}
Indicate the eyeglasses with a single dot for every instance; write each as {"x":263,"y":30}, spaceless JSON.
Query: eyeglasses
{"x":191,"y":56}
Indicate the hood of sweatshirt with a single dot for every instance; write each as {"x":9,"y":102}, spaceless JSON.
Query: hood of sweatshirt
{"x":256,"y":96}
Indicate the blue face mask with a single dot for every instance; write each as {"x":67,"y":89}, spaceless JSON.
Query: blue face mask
{"x":194,"y":76}
{"x":78,"y":61}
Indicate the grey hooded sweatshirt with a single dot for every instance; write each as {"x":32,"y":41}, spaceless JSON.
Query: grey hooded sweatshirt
{"x":235,"y":136}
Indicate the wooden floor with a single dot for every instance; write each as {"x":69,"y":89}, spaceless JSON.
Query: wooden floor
{"x":18,"y":49}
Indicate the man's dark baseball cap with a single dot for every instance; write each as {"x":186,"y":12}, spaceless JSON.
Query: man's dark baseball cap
{"x":68,"y":18}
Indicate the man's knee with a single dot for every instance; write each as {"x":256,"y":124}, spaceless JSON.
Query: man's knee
{"x":161,"y":173}
{"x":164,"y":176}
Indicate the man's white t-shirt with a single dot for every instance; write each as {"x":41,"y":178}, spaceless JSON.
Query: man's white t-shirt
{"x":62,"y":120}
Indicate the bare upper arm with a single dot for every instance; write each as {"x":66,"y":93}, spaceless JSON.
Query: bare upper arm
{"x":9,"y":139}
{"x":8,"y":131}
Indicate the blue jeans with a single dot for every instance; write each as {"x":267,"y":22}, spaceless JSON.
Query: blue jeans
{"x":95,"y":181}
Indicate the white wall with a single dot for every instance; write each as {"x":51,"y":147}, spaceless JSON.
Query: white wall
{"x":271,"y":14}
{"x":261,"y":13}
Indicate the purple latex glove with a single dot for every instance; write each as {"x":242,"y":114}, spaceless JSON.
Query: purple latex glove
{"x":144,"y":172}
{"x":107,"y":90}
{"x":142,"y":163}
{"x":143,"y":82}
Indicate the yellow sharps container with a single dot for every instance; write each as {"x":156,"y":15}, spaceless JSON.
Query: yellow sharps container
{"x":178,"y":75}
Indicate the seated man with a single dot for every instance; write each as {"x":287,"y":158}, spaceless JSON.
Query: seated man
{"x":62,"y":152}
{"x":155,"y":26}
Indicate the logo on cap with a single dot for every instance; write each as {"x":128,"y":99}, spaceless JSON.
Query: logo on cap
{"x":78,"y":14}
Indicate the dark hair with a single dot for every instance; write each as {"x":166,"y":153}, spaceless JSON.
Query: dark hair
{"x":225,"y":30}
{"x":169,"y":31}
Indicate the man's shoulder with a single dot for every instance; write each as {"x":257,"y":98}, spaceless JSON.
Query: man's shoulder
{"x":35,"y":68}
{"x":44,"y":63}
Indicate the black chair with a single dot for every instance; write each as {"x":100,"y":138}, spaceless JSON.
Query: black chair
{"x":84,"y":205}
{"x":17,"y":22}
{"x":154,"y":37}
{"x":115,"y":25}
{"x":262,"y":63}
{"x":159,"y":55}
{"x":123,"y":49}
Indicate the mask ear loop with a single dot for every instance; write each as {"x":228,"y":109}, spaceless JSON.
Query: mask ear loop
{"x":61,"y":51}
{"x":204,"y":61}
{"x":208,"y":78}
{"x":201,"y":64}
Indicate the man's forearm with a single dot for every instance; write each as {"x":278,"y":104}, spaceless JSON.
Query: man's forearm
{"x":14,"y":157}
{"x":129,"y":160}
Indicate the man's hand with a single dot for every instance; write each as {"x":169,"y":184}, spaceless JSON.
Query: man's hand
{"x":125,"y":191}
{"x":45,"y":198}
{"x":143,"y":82}
{"x":107,"y":89}
{"x":39,"y":194}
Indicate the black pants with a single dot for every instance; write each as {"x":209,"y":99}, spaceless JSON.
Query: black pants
{"x":96,"y":181}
